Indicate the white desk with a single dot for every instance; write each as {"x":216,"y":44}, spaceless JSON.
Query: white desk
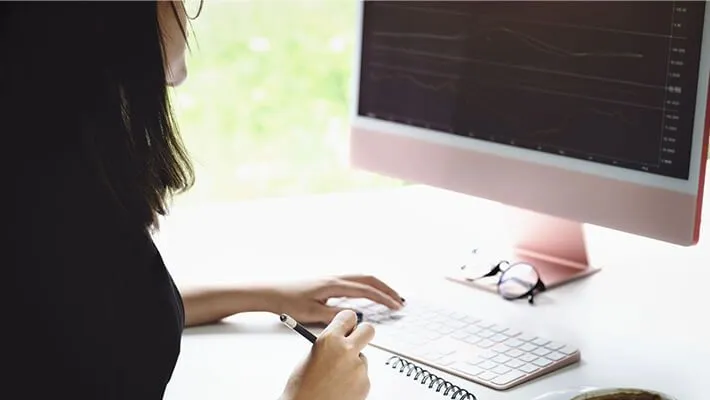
{"x":643,"y":321}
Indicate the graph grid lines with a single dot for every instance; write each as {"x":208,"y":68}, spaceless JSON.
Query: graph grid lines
{"x":610,"y":83}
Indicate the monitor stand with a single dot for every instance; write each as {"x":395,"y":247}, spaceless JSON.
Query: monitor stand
{"x":556,"y":247}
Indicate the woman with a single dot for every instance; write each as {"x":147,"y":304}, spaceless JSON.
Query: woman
{"x":92,"y":156}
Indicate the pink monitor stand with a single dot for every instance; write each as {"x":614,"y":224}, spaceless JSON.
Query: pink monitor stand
{"x":555,"y":247}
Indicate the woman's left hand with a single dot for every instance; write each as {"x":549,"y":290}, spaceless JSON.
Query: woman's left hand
{"x":307,"y":301}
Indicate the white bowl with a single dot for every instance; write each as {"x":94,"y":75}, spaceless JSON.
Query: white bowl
{"x":592,"y":394}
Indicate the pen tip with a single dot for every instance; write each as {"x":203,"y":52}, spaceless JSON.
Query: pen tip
{"x":282,"y":317}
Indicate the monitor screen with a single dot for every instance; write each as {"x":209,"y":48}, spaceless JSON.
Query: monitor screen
{"x":608,"y":82}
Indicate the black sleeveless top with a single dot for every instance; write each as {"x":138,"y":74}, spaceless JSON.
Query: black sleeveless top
{"x":91,"y":311}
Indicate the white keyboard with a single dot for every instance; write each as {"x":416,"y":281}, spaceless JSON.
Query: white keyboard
{"x":463,"y":345}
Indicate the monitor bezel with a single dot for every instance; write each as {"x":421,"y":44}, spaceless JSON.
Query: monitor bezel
{"x":636,"y":202}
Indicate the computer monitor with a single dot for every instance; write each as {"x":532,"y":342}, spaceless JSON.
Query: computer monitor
{"x":567,"y":112}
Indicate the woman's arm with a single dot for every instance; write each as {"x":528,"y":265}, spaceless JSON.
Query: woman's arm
{"x":207,"y":306}
{"x":305,"y":301}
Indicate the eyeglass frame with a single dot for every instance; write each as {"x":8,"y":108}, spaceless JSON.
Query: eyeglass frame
{"x":538,"y":287}
{"x":199,"y":10}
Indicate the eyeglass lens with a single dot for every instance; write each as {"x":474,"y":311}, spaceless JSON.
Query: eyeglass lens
{"x":517,"y":280}
{"x":193,"y":8}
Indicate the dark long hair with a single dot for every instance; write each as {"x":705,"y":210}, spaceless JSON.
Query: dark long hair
{"x":88,"y":77}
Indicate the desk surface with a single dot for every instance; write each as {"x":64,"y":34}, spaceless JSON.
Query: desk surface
{"x":641,"y":321}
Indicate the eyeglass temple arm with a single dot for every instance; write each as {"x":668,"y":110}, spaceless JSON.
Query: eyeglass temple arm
{"x":540,"y":285}
{"x":493,"y":272}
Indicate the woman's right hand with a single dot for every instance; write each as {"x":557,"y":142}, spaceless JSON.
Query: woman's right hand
{"x":334,"y":369}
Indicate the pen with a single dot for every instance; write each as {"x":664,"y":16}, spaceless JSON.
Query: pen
{"x":296,"y":326}
{"x":300,"y":329}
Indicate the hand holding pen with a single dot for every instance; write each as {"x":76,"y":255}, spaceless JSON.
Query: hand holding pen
{"x":335,"y":367}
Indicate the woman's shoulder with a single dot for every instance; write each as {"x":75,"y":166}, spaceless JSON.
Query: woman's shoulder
{"x":90,"y":287}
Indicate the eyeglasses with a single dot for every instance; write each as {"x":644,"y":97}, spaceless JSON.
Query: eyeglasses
{"x":193,"y":8}
{"x":517,"y":280}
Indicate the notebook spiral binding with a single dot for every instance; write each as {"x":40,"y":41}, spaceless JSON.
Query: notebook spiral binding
{"x":427,"y":376}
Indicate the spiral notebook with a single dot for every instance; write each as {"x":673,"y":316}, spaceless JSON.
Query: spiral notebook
{"x":425,"y":379}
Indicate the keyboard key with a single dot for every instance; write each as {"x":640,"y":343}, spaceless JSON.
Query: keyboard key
{"x":508,"y":377}
{"x":447,"y":360}
{"x":541,"y":352}
{"x":439,"y":318}
{"x":500,"y":348}
{"x":542,"y":362}
{"x":568,"y":350}
{"x":418,"y":323}
{"x":487,"y":354}
{"x":498,"y":338}
{"x":513,"y":363}
{"x":379,"y":307}
{"x":485,"y":333}
{"x":425,"y":332}
{"x":427,"y":315}
{"x":432,"y":356}
{"x":467,"y":369}
{"x":485,"y":344}
{"x":445,"y":330}
{"x":501,"y":359}
{"x":515,"y":353}
{"x":374,"y":318}
{"x":474,"y":360}
{"x":442,"y":352}
{"x":458,"y":325}
{"x":420,"y":352}
{"x":513,"y":342}
{"x":473,"y":329}
{"x":526,"y":337}
{"x":529,"y":368}
{"x":487,"y":376}
{"x":527,"y":357}
{"x":445,"y":346}
{"x":501,"y":369}
{"x":487,"y":364}
{"x":417,"y":340}
{"x":434,"y":326}
{"x":459,"y":335}
{"x":555,"y":356}
{"x":485,"y":324}
{"x":555,"y":345}
{"x":512,"y":333}
{"x":355,"y":303}
{"x":497,"y":328}
{"x":472,"y":339}
{"x":471,"y":320}
{"x":540,"y":341}
{"x":527,"y":347}
{"x":458,"y":315}
{"x":448,"y":313}
{"x":388,"y":321}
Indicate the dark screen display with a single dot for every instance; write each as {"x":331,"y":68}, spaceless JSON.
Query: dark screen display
{"x":609,"y":82}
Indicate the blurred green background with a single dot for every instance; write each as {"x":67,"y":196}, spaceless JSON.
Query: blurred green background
{"x":264,"y":111}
